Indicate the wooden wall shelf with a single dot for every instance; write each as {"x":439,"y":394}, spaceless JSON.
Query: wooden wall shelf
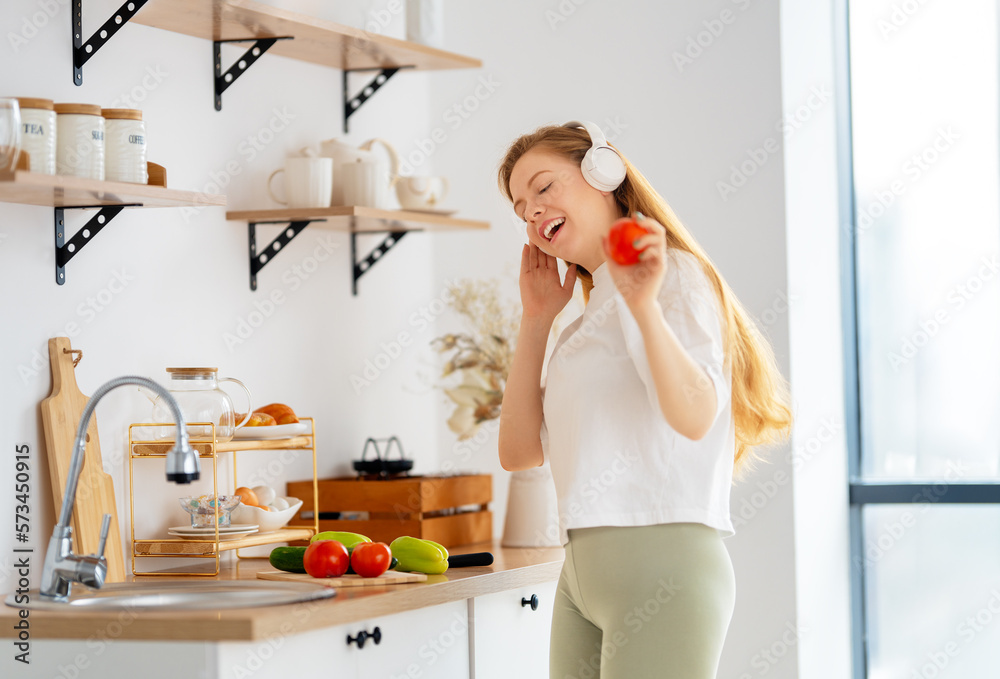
{"x":33,"y":188}
{"x":365,"y":219}
{"x":62,"y":193}
{"x":315,"y":40}
{"x":353,"y":219}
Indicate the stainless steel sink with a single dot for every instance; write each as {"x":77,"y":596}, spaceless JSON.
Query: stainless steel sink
{"x":176,"y":595}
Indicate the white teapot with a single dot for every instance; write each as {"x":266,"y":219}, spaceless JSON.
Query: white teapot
{"x":360,"y":176}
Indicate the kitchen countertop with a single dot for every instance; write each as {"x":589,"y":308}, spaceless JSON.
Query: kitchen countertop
{"x":511,"y":569}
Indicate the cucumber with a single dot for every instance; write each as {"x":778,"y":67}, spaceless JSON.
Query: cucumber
{"x":288,"y":559}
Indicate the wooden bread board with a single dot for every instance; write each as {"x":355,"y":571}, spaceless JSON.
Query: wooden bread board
{"x":95,"y":493}
{"x":387,"y":578}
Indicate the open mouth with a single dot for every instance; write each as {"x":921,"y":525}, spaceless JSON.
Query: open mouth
{"x":553,"y":227}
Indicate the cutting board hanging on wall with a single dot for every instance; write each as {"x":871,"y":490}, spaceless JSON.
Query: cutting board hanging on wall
{"x":95,"y":492}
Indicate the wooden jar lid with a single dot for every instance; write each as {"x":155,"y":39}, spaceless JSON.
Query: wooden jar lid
{"x":191,"y":371}
{"x":122,"y":113}
{"x":84,"y":109}
{"x":31,"y":102}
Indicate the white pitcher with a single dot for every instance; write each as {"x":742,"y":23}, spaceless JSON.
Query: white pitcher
{"x":385,"y":176}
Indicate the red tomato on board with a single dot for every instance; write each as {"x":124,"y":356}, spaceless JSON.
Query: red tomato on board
{"x":620,"y":238}
{"x":371,"y":559}
{"x":326,"y":559}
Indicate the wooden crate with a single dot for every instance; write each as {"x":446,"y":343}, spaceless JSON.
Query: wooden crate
{"x":452,"y":510}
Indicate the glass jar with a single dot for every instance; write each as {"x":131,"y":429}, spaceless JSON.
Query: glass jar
{"x":201,"y":400}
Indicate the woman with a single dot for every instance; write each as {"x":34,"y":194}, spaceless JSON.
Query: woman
{"x":652,"y":399}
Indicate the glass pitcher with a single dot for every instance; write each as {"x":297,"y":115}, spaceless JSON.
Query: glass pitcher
{"x":201,"y":400}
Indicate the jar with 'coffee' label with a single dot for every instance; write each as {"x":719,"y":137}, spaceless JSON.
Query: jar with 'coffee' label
{"x":124,"y":145}
{"x":80,"y":140}
{"x":38,"y":133}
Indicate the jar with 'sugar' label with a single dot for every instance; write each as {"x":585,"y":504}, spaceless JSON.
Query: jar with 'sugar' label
{"x":125,"y":145}
{"x":80,"y":140}
{"x":38,"y":133}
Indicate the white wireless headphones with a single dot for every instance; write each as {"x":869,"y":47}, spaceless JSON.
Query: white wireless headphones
{"x":602,"y":167}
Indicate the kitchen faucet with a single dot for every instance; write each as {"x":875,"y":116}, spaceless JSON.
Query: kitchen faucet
{"x":62,"y":568}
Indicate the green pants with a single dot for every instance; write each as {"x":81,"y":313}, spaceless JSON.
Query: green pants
{"x":642,"y":601}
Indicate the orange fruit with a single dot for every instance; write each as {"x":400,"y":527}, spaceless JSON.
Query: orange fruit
{"x":247,"y":496}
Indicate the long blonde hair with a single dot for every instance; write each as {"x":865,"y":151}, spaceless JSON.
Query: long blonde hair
{"x":760,"y":397}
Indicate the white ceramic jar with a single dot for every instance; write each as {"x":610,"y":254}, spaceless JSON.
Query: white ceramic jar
{"x":38,"y":133}
{"x":124,"y":145}
{"x":80,"y":140}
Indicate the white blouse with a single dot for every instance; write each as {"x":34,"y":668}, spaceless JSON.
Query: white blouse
{"x":614,"y":458}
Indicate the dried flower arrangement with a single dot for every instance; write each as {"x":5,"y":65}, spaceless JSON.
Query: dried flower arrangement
{"x":482,"y":356}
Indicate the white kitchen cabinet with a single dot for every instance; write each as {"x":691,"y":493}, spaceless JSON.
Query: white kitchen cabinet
{"x":316,"y":654}
{"x":510,"y":639}
{"x":418,"y":644}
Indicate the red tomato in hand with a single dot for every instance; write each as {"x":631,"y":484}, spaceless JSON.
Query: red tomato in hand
{"x":371,"y":559}
{"x":326,"y":559}
{"x":620,"y":238}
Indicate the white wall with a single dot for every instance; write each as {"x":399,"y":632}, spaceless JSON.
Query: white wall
{"x":684,"y":127}
{"x":819,"y":459}
{"x":687,"y":126}
{"x":187,"y":274}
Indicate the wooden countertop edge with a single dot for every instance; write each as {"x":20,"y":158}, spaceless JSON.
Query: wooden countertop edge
{"x":251,"y":624}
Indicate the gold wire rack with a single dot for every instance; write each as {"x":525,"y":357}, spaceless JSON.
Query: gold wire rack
{"x":208,"y":447}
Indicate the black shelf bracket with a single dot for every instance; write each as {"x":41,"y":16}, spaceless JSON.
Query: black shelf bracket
{"x":353,"y":104}
{"x":259,"y":261}
{"x":361,"y":267}
{"x":67,"y":250}
{"x":82,"y":51}
{"x":224,"y":80}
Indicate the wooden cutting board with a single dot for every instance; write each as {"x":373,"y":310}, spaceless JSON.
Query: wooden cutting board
{"x":387,"y":578}
{"x":95,"y":492}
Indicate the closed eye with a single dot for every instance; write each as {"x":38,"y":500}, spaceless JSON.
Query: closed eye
{"x":541,"y":191}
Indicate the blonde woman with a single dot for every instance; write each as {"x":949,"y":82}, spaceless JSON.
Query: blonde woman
{"x":653,"y":399}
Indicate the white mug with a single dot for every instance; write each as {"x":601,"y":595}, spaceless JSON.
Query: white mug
{"x":421,"y":193}
{"x":308,"y":182}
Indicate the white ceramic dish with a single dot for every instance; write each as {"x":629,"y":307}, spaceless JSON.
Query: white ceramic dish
{"x":233,"y":528}
{"x":268,"y":521}
{"x":277,"y":431}
{"x":224,"y":533}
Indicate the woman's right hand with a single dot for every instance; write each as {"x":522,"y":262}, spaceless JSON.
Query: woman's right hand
{"x":543,"y":296}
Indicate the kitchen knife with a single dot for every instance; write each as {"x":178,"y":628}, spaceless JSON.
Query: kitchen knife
{"x":474,"y":559}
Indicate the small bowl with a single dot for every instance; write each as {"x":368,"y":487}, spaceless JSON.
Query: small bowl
{"x":202,"y":509}
{"x":267,"y":521}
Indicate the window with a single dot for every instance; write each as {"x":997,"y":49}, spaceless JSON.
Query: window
{"x":922,"y":312}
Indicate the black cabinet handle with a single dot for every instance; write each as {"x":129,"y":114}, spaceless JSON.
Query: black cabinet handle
{"x":533,"y":602}
{"x":364,"y":635}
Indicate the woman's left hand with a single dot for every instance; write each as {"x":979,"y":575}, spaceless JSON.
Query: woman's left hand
{"x":640,"y":283}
